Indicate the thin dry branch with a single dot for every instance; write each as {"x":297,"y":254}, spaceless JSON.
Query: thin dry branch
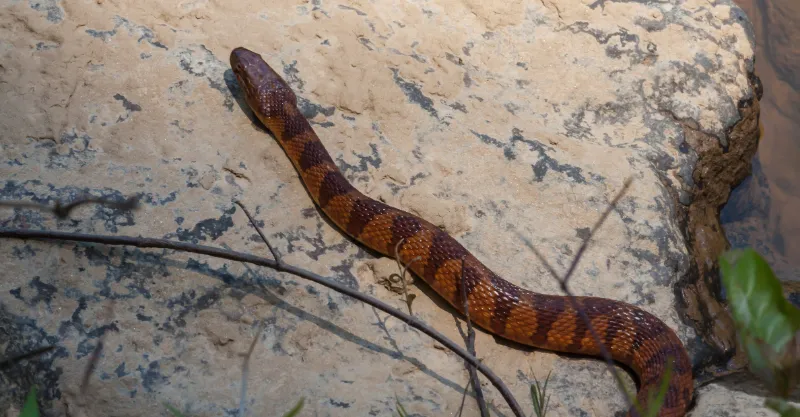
{"x":468,"y":355}
{"x":62,"y":210}
{"x":464,"y":398}
{"x":23,"y":356}
{"x":564,"y":284}
{"x":470,"y":342}
{"x":260,"y":233}
{"x":90,"y":367}
{"x":141,"y":242}
{"x":409,"y":298}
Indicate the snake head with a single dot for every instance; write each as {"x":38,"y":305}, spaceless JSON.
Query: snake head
{"x":265,"y":91}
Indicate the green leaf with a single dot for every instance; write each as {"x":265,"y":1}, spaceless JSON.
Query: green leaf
{"x":757,"y":300}
{"x":401,"y":411}
{"x":656,"y":399}
{"x":296,"y":409}
{"x":768,"y":324}
{"x":782,"y":407}
{"x":174,"y":411}
{"x":31,"y":407}
{"x":539,"y":396}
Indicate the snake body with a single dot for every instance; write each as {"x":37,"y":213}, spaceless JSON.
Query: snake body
{"x":633,"y":336}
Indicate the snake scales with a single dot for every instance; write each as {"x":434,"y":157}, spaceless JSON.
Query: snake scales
{"x":634,"y":337}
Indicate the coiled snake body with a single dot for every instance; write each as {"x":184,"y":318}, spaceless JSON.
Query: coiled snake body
{"x":634,"y":337}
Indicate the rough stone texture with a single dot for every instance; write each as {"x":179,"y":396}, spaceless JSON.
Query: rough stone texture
{"x":735,"y":395}
{"x":762,"y":212}
{"x":496,"y":120}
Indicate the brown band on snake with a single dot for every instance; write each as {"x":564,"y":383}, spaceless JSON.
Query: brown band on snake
{"x":634,"y":337}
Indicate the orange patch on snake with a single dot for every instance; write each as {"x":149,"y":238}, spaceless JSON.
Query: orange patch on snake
{"x":622,"y":341}
{"x":445,"y":277}
{"x":521,"y":330}
{"x":377,"y":233}
{"x":600,"y":325}
{"x":295,"y":147}
{"x":483,"y":305}
{"x":339,"y":208}
{"x":563,"y":330}
{"x":416,"y":246}
{"x":314,"y":176}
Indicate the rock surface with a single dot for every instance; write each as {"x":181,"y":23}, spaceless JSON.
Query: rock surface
{"x":498,"y":121}
{"x":762,"y":211}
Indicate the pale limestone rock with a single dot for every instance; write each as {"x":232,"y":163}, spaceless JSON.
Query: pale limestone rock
{"x":501,"y":120}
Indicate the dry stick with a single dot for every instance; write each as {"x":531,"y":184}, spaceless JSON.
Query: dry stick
{"x":260,"y":233}
{"x":403,"y":268}
{"x":142,"y":242}
{"x":563,"y":282}
{"x":245,"y":367}
{"x":464,"y":397}
{"x":474,"y":381}
{"x":473,"y":376}
{"x":90,"y":367}
{"x":62,"y":210}
{"x":26,"y":355}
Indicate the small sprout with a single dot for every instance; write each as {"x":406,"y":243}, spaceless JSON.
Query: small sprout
{"x":401,"y":412}
{"x":172,"y":410}
{"x":656,"y":399}
{"x":31,"y":408}
{"x":539,"y":396}
{"x":296,"y":409}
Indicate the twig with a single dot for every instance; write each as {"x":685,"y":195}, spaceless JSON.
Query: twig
{"x":62,"y":210}
{"x":90,"y":367}
{"x":409,"y":298}
{"x":563,"y":282}
{"x":470,"y":339}
{"x":260,"y":233}
{"x":597,"y":225}
{"x":26,"y":355}
{"x":464,"y":398}
{"x":269,"y":263}
{"x":245,"y":366}
{"x":246,"y":370}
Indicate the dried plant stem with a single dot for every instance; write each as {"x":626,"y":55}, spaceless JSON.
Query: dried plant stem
{"x":260,"y":233}
{"x":470,"y":342}
{"x":142,"y":242}
{"x":564,"y":284}
{"x":23,"y":356}
{"x":62,"y":210}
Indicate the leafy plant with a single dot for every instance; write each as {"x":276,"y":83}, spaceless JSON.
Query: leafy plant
{"x":172,"y":410}
{"x":656,"y":398}
{"x":31,"y":407}
{"x":296,"y":409}
{"x":539,"y":396}
{"x":768,"y":325}
{"x":401,"y":411}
